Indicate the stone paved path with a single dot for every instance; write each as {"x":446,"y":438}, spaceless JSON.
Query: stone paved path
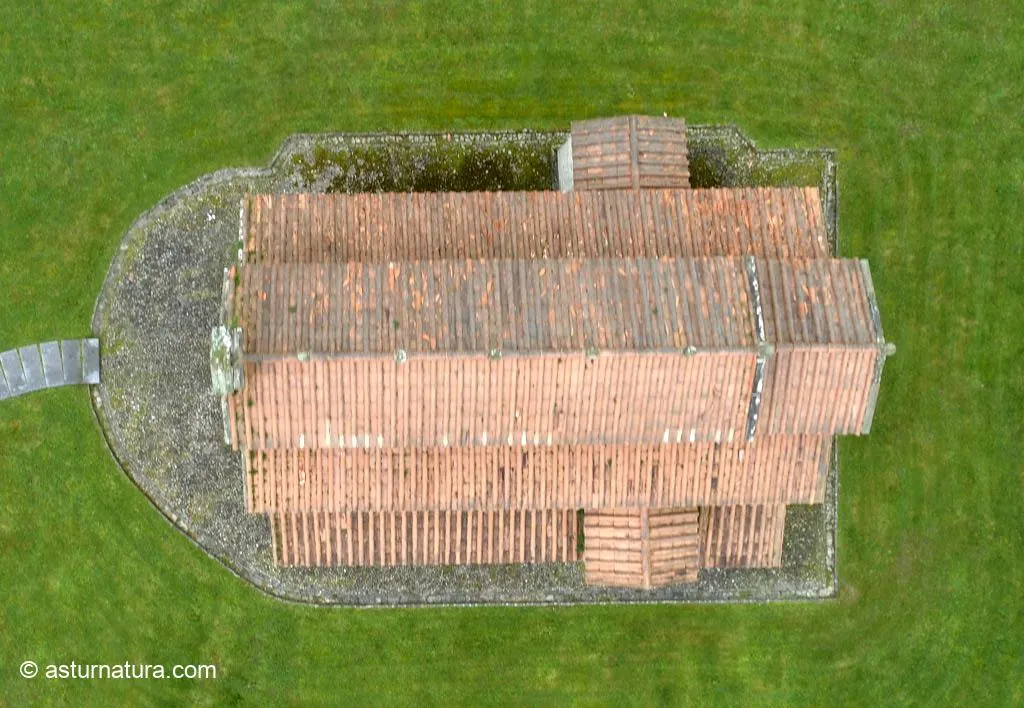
{"x":47,"y":365}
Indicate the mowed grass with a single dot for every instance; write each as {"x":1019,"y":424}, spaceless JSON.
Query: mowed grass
{"x":106,"y":109}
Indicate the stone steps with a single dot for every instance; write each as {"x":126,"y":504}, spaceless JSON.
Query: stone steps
{"x":48,"y":365}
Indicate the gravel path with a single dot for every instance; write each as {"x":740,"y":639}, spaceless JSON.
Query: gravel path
{"x":163,"y":425}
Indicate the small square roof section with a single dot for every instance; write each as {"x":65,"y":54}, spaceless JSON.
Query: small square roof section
{"x":630,"y":152}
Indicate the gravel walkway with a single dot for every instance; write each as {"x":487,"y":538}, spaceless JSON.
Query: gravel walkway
{"x":163,"y":425}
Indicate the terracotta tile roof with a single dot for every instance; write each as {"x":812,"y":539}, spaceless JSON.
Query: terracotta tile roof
{"x":638,"y":152}
{"x":441,"y":401}
{"x":781,"y":469}
{"x":325,"y":366}
{"x":748,"y":536}
{"x":819,"y":389}
{"x":641,"y":548}
{"x":825,"y":370}
{"x":551,"y":305}
{"x":613,"y":548}
{"x":672,"y":546}
{"x":771,"y":222}
{"x":446,"y":378}
{"x":509,"y":306}
{"x":815,"y":302}
{"x":423,"y":538}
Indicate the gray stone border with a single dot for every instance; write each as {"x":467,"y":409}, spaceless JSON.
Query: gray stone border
{"x":219,"y":524}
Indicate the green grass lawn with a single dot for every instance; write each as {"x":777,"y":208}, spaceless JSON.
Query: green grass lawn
{"x":105,"y":109}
